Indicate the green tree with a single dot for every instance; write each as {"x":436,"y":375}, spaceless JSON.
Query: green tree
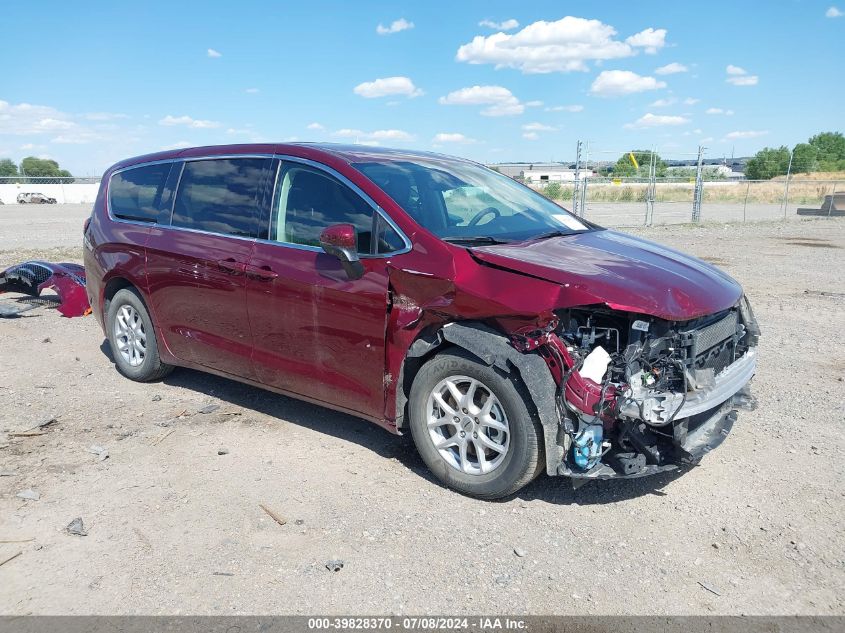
{"x":831,"y":150}
{"x":553,"y":190}
{"x":8,"y":168}
{"x":625,"y":168}
{"x":805,"y":158}
{"x":768,"y":163}
{"x":42,"y":168}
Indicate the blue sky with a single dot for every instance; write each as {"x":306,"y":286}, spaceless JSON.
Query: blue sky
{"x":91,"y":83}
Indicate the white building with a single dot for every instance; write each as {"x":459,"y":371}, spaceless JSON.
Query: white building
{"x":560,"y":175}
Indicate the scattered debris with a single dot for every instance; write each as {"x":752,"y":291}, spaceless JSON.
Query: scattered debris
{"x":209,"y":408}
{"x":12,"y":557}
{"x":46,"y":340}
{"x":519,"y":551}
{"x":159,"y":439}
{"x":76,"y":527}
{"x":156,"y":398}
{"x":222,"y":573}
{"x":825,"y":293}
{"x":29,"y":494}
{"x":19,"y":540}
{"x":100,"y":451}
{"x":143,"y":538}
{"x":710,"y":588}
{"x":222,"y":451}
{"x":334,"y":565}
{"x":278,"y":518}
{"x":27,"y":433}
{"x":299,"y":522}
{"x":44,"y":421}
{"x":231,"y":413}
{"x":7,"y":473}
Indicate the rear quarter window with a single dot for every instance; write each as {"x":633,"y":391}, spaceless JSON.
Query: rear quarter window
{"x":136,"y":193}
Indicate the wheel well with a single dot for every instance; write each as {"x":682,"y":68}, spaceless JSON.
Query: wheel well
{"x":112,"y":287}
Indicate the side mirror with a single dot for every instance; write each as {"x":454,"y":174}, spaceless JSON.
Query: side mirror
{"x":341,"y":241}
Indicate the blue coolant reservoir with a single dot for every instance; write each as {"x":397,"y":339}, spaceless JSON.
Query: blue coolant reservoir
{"x":586,"y":446}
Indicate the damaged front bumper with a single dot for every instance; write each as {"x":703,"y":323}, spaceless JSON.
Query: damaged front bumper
{"x":34,"y":277}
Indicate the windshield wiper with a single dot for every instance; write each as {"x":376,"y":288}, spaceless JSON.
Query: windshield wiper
{"x":545,"y":236}
{"x":475,"y":239}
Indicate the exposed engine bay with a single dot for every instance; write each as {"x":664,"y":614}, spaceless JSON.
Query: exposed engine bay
{"x":637,"y":394}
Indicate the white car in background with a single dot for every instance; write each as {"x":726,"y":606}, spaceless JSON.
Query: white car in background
{"x":35,"y":198}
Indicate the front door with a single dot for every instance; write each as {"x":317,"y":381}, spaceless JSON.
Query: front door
{"x":196,"y":266}
{"x":317,"y":332}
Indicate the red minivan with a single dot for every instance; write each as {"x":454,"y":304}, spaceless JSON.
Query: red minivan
{"x":427,"y":294}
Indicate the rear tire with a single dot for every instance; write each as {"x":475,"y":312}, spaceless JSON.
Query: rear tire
{"x":132,"y":338}
{"x":500,"y":450}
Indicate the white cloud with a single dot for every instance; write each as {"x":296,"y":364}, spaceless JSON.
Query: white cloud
{"x":315,"y":126}
{"x":533,"y":104}
{"x":651,"y":40}
{"x":657,"y":120}
{"x":739,"y":76}
{"x":746,"y":134}
{"x":387,"y":86}
{"x":24,"y":119}
{"x":718,"y":111}
{"x":613,"y":83}
{"x":663,"y":103}
{"x":395,"y":27}
{"x":252,"y":91}
{"x":691,"y":101}
{"x":746,"y":80}
{"x":213,"y":53}
{"x":499,"y":101}
{"x":188,"y":121}
{"x":833,"y":12}
{"x":506,"y":25}
{"x":452,"y":137}
{"x":374,"y":137}
{"x":706,"y":139}
{"x":538,"y":127}
{"x":531,"y":136}
{"x":671,"y":69}
{"x":566,"y":108}
{"x":564,"y":45}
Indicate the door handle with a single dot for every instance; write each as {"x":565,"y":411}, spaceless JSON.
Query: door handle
{"x":231,"y":266}
{"x":261,"y":273}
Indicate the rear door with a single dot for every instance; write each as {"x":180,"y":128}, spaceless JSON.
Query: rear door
{"x":195,"y":266}
{"x":318,"y":333}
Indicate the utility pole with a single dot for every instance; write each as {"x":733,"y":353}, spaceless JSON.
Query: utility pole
{"x":576,"y":190}
{"x":699,"y":186}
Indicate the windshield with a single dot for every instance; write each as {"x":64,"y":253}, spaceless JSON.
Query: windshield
{"x":461,"y":202}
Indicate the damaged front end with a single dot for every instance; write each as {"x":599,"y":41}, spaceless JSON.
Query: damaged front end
{"x":637,"y":395}
{"x":34,"y":277}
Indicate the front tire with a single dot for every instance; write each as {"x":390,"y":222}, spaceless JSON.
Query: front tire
{"x":132,"y":338}
{"x":473,"y":427}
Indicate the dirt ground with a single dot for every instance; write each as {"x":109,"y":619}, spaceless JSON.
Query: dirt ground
{"x":175,"y":527}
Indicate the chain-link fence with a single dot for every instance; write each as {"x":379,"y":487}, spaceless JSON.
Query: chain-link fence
{"x":690,"y":191}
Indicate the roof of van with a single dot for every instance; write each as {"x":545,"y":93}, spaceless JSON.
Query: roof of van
{"x":327,"y":152}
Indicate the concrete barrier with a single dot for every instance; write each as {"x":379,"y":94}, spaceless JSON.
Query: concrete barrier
{"x":73,"y":193}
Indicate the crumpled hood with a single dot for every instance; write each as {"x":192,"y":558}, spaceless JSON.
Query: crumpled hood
{"x":622,"y":271}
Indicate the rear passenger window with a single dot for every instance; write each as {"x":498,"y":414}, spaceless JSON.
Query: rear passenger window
{"x":220,"y":196}
{"x":309,"y":200}
{"x":136,"y":193}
